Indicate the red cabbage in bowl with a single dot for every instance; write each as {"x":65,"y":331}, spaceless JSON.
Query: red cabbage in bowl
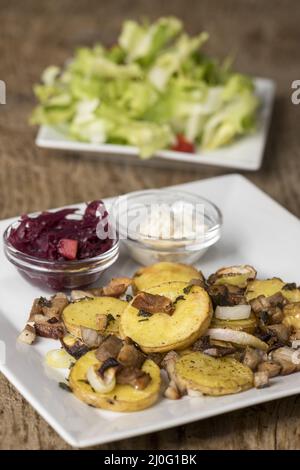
{"x":63,"y":234}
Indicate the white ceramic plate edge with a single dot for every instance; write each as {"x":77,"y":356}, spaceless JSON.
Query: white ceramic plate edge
{"x":244,"y":401}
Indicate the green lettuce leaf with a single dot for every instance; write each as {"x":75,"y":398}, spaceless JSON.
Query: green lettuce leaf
{"x":146,"y":41}
{"x":170,"y":62}
{"x":236,"y":118}
{"x":153,"y":84}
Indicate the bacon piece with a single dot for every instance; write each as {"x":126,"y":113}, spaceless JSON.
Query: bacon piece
{"x":129,"y":355}
{"x":50,"y":330}
{"x":45,"y":318}
{"x":115,"y":288}
{"x":110,"y":347}
{"x":133,"y":376}
{"x":153,"y":303}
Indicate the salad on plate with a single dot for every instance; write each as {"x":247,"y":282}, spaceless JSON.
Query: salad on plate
{"x":154,"y":89}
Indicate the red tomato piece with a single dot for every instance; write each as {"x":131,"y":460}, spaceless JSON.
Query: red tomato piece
{"x":183,"y":145}
{"x":68,"y":248}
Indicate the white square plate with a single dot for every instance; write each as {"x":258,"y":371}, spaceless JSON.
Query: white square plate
{"x":245,"y":154}
{"x":256,"y":231}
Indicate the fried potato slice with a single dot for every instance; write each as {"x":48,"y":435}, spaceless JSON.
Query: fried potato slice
{"x":233,"y":275}
{"x":213,"y":376}
{"x":161,"y":332}
{"x":292,"y":295}
{"x":90,"y":312}
{"x":248,"y":325}
{"x":268,"y":287}
{"x":292,"y":315}
{"x":122,"y":397}
{"x":156,"y":274}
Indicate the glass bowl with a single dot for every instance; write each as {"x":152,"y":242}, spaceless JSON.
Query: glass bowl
{"x":61,"y":274}
{"x":131,"y":211}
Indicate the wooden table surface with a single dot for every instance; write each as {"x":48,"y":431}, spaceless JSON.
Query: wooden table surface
{"x":264,"y":36}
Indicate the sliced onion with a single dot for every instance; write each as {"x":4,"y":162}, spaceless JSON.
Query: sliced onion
{"x":99,"y":384}
{"x":172,"y":391}
{"x":90,"y":337}
{"x":236,"y":312}
{"x":194,"y":393}
{"x":59,"y":358}
{"x":238,"y":337}
{"x":296,"y":344}
{"x":286,"y":354}
{"x":80,"y":294}
{"x":28,"y":335}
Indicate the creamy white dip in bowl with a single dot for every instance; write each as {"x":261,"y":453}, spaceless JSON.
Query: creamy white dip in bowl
{"x":166,"y":225}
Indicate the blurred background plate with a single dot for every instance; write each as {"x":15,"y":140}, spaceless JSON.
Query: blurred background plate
{"x":245,"y":154}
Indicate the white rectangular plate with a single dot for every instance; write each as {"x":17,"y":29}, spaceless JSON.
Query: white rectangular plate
{"x":246,"y":153}
{"x":256,"y":231}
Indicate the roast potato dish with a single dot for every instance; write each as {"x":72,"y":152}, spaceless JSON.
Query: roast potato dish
{"x":213,"y":376}
{"x":99,"y":313}
{"x":214,"y":336}
{"x":156,"y":274}
{"x":122,"y":397}
{"x":162,"y":332}
{"x":268,"y":287}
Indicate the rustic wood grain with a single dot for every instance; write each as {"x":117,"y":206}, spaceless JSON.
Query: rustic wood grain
{"x":264,"y":36}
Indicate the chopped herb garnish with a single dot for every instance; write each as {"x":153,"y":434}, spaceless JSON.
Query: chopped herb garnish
{"x":290,"y":286}
{"x":110,"y":318}
{"x":180,"y":297}
{"x":52,"y":320}
{"x":64,"y":386}
{"x":264,"y":317}
{"x":187,"y":289}
{"x":128,"y":298}
{"x":83,"y":381}
{"x":144,"y":319}
{"x":143,"y":313}
{"x":43,"y":302}
{"x":107,"y":364}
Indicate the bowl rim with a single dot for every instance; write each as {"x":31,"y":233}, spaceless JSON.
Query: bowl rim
{"x":208,"y":234}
